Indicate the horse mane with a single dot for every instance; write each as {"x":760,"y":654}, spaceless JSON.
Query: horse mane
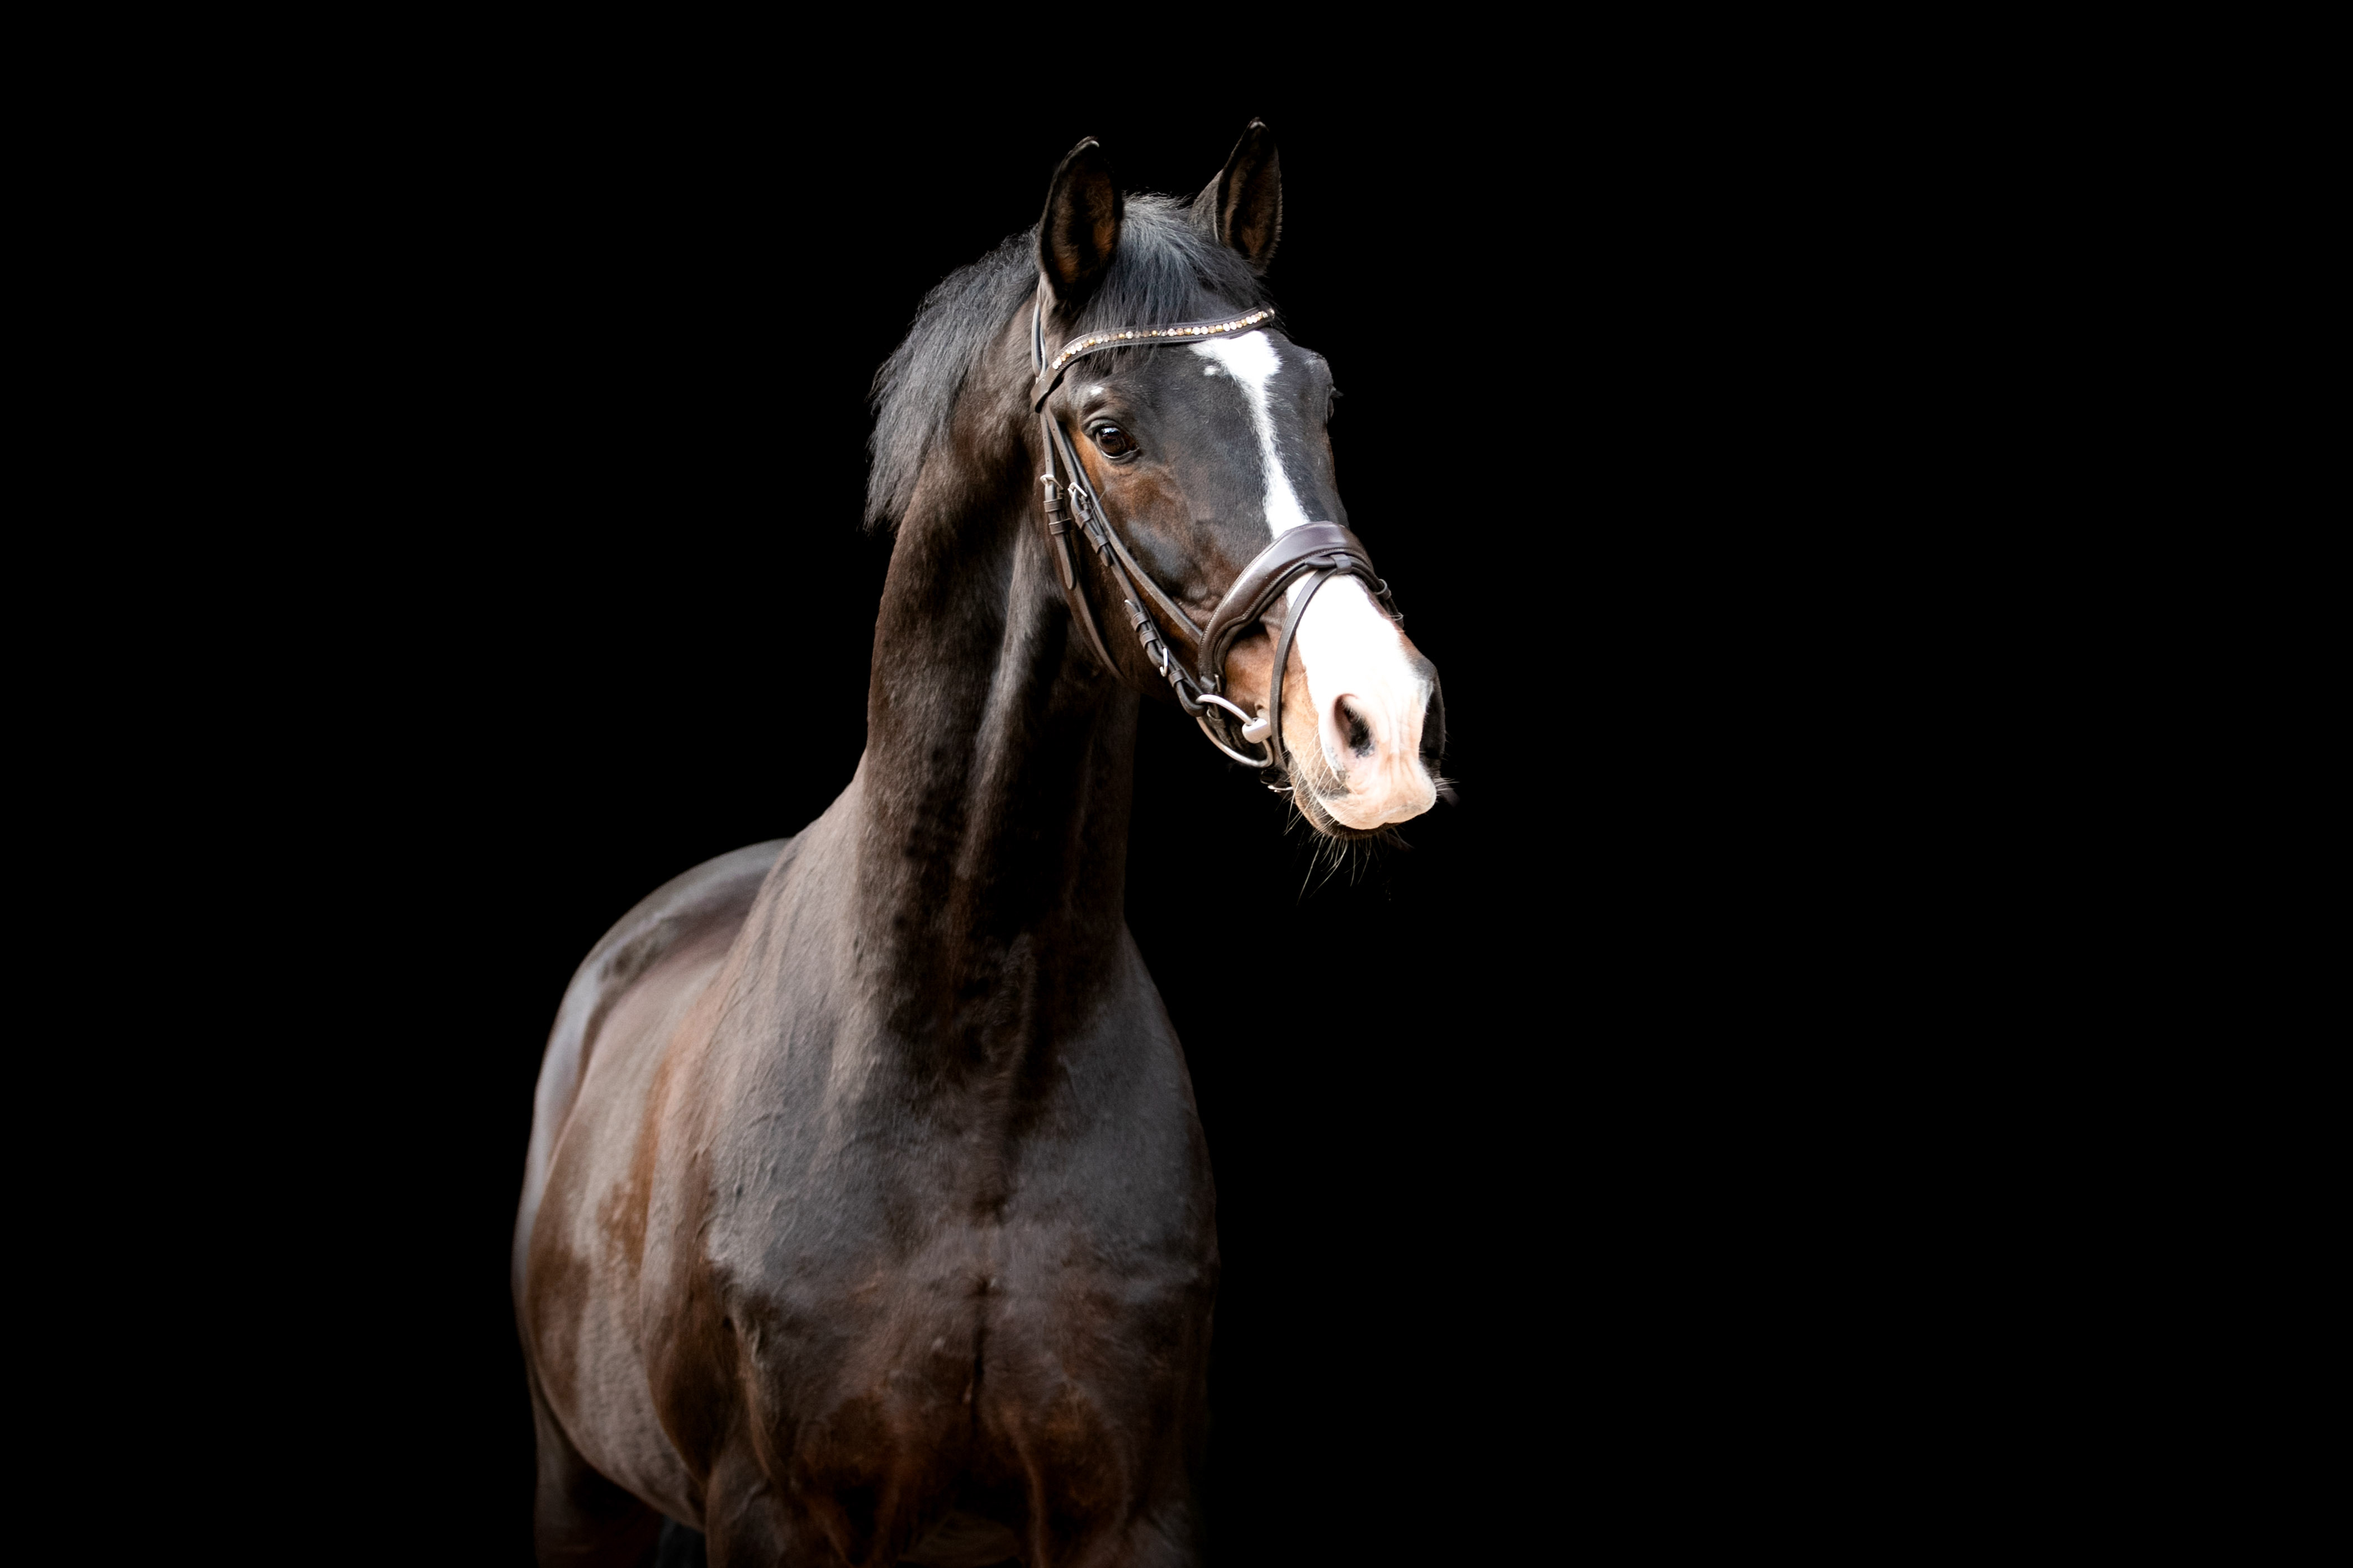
{"x":1165,"y":270}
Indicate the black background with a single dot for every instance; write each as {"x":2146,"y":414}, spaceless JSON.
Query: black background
{"x":1491,"y":1153}
{"x":1747,"y":1119}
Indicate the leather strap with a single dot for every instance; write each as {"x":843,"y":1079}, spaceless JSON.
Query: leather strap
{"x":1058,"y":514}
{"x":1314,"y":546}
{"x":1049,"y":372}
{"x":1099,"y":533}
{"x":1282,"y":659}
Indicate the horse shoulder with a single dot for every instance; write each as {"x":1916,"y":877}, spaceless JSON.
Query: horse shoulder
{"x":580,"y":1232}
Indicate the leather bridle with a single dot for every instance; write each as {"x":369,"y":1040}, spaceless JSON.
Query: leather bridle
{"x":1190,"y":658}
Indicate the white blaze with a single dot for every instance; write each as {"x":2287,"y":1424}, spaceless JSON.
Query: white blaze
{"x":1349,"y":647}
{"x":1252,"y":361}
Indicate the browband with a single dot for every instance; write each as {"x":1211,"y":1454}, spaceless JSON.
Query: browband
{"x":1078,"y":348}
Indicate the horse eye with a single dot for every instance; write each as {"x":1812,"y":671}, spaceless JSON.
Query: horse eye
{"x":1113,"y":441}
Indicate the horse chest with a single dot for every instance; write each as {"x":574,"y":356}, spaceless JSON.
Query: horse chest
{"x":1075,"y":1321}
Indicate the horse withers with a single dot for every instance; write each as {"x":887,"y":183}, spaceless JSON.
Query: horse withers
{"x":867,"y":1217}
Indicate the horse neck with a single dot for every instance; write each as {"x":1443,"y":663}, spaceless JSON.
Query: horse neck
{"x":996,"y":787}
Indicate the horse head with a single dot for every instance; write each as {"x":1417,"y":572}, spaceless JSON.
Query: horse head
{"x":1204,"y":451}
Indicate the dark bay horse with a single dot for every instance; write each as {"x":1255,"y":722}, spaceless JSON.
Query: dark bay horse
{"x":867,"y":1217}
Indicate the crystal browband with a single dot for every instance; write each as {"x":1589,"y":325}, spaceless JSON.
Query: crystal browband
{"x":1095,"y":342}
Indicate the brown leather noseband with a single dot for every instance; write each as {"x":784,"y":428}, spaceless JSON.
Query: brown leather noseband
{"x":1192,"y":659}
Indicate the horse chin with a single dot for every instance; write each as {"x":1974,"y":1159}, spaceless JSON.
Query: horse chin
{"x":1322,"y":797}
{"x":1319,"y":816}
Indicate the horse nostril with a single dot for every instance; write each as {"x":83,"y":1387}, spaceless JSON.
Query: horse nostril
{"x":1359,"y":733}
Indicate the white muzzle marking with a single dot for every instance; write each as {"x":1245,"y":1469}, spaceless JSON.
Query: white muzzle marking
{"x":1358,"y":675}
{"x":1355,"y":656}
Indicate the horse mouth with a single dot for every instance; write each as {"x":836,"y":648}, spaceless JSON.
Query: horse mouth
{"x":1330,"y":827}
{"x":1313,"y":785}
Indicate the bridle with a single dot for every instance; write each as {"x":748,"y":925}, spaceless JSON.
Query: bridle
{"x":1190,"y":658}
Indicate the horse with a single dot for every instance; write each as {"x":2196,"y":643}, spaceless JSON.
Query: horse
{"x":867,"y":1217}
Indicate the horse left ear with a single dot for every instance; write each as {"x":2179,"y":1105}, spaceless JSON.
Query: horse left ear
{"x":1080,"y":230}
{"x":1243,"y":206}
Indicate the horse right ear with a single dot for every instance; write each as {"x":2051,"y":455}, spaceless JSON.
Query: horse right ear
{"x":1080,"y":228}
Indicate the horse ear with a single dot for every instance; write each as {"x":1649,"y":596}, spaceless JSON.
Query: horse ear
{"x":1080,"y":228}
{"x":1243,"y":206}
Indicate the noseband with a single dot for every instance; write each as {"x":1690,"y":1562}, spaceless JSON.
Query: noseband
{"x":1192,"y":659}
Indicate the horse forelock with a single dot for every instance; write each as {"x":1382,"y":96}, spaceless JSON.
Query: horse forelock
{"x":1165,"y":270}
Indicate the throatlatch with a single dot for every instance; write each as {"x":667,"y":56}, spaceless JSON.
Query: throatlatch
{"x":1195,"y":673}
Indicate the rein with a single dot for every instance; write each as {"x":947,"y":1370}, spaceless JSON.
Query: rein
{"x":1190,"y":658}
